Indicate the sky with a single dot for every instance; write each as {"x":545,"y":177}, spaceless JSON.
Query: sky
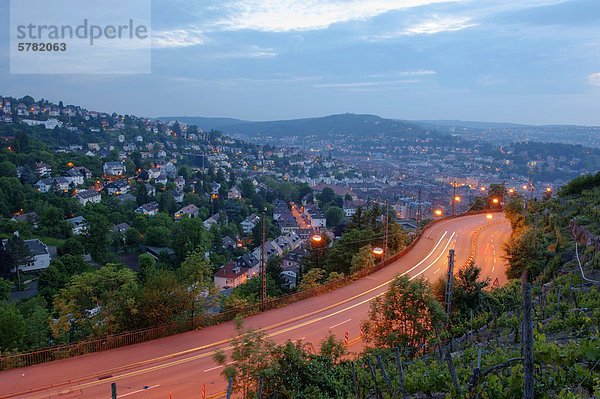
{"x":521,"y":61}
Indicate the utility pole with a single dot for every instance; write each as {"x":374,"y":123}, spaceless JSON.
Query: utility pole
{"x":448,"y":296}
{"x":419,"y":211}
{"x":263,"y":265}
{"x":453,"y":197}
{"x":385,"y":234}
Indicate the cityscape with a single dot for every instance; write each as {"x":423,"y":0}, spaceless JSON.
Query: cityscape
{"x":287,"y":199}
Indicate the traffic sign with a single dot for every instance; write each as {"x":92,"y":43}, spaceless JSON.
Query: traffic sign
{"x":496,"y":283}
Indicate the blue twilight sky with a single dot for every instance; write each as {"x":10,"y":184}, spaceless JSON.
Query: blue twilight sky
{"x":526,"y":61}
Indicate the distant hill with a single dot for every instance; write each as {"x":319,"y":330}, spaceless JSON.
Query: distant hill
{"x":346,"y":124}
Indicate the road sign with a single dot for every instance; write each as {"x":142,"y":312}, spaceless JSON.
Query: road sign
{"x":496,"y":283}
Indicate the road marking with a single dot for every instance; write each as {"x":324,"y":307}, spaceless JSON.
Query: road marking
{"x":275,"y":333}
{"x":213,"y":368}
{"x":138,"y":391}
{"x":438,"y":269}
{"x":339,"y":324}
{"x":493,"y":268}
{"x":438,"y":258}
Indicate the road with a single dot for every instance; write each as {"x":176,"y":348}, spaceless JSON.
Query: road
{"x":181,"y":364}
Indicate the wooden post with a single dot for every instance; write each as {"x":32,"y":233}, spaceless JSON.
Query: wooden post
{"x":354,"y":381}
{"x":453,"y":372}
{"x":113,"y":389}
{"x":527,"y":342}
{"x":374,"y":378}
{"x":400,"y":372}
{"x":385,"y":376}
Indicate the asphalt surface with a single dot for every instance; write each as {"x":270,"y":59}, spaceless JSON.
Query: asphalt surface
{"x":181,"y":365}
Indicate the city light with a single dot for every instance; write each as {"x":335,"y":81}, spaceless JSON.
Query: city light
{"x":512,"y":190}
{"x":317,"y":238}
{"x":378,"y":251}
{"x":457,"y":198}
{"x":489,"y":216}
{"x":495,"y":200}
{"x":438,"y":212}
{"x":482,"y":188}
{"x":548,"y":189}
{"x":524,"y":187}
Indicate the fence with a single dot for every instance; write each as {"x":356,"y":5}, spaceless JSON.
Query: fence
{"x":30,"y":358}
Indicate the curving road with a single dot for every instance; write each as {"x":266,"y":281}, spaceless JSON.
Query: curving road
{"x":180,"y":365}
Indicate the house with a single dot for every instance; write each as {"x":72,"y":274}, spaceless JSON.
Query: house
{"x":150,"y":189}
{"x":211,"y":220}
{"x":248,"y":261}
{"x":170,"y":170}
{"x":114,"y":168}
{"x":230,"y":275}
{"x":43,"y":169}
{"x":125,"y":197}
{"x":349,"y":208}
{"x":234,"y":193}
{"x":287,"y":223}
{"x":151,"y":208}
{"x":73,"y":177}
{"x":180,"y":182}
{"x":40,"y":254}
{"x":79,"y":225}
{"x":214,"y":188}
{"x":117,"y":187}
{"x":59,"y":183}
{"x":156,"y":252}
{"x":191,"y":210}
{"x":153,"y":173}
{"x":44,"y":185}
{"x":30,"y":217}
{"x":161,"y":179}
{"x":121,"y":228}
{"x":87,"y":196}
{"x":249,"y":223}
{"x":229,"y":243}
{"x":177,"y":195}
{"x":293,"y":260}
{"x":85,"y":172}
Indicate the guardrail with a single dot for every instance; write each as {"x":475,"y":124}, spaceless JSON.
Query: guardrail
{"x":30,"y":358}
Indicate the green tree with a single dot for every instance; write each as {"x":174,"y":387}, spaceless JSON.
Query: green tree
{"x":18,"y":254}
{"x":58,"y":274}
{"x":250,"y":358}
{"x":334,"y":216}
{"x":38,"y":332}
{"x":196,"y":276}
{"x":525,"y":254}
{"x":96,"y":303}
{"x":312,"y":278}
{"x":5,"y":289}
{"x":162,"y":299}
{"x":363,"y":259}
{"x":133,"y":237}
{"x":405,"y":316}
{"x":146,"y":265}
{"x":97,"y":238}
{"x":247,"y":189}
{"x":12,"y":327}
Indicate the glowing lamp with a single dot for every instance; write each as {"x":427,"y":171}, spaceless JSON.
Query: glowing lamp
{"x":457,"y":199}
{"x":438,"y":212}
{"x":495,"y":200}
{"x":378,"y":251}
{"x":489,"y":216}
{"x":317,"y":238}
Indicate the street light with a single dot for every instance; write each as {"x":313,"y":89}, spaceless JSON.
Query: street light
{"x":457,"y":198}
{"x":482,"y":188}
{"x":524,"y":187}
{"x":548,"y":189}
{"x":317,"y":238}
{"x":495,"y":200}
{"x":512,"y":190}
{"x":438,"y":212}
{"x":489,"y":216}
{"x":377,"y":251}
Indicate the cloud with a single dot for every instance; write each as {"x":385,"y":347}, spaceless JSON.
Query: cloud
{"x":594,"y":79}
{"x":300,"y":15}
{"x":250,"y":52}
{"x":375,"y":83}
{"x":191,"y":36}
{"x":439,"y":24}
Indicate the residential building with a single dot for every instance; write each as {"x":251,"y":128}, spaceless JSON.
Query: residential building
{"x":117,"y":187}
{"x":230,"y":275}
{"x":40,"y":253}
{"x":180,"y":182}
{"x":234,"y":193}
{"x":211,"y":220}
{"x":79,"y":225}
{"x":30,"y":217}
{"x":87,"y":196}
{"x":114,"y":168}
{"x":121,"y":228}
{"x":249,"y":223}
{"x":43,"y":169}
{"x":151,"y":208}
{"x":191,"y":210}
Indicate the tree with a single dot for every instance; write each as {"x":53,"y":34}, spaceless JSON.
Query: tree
{"x":275,"y":271}
{"x":96,"y":303}
{"x":71,"y":246}
{"x":247,"y":189}
{"x":18,"y":254}
{"x":363,"y":259}
{"x":59,"y":273}
{"x":146,"y":264}
{"x":405,"y":316}
{"x":97,"y":237}
{"x":525,"y":254}
{"x":12,"y":327}
{"x":8,"y":169}
{"x":326,"y":196}
{"x":132,"y":237}
{"x":334,"y":216}
{"x":5,"y":289}
{"x":313,"y":278}
{"x":162,"y":299}
{"x":250,"y":358}
{"x":196,"y":276}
